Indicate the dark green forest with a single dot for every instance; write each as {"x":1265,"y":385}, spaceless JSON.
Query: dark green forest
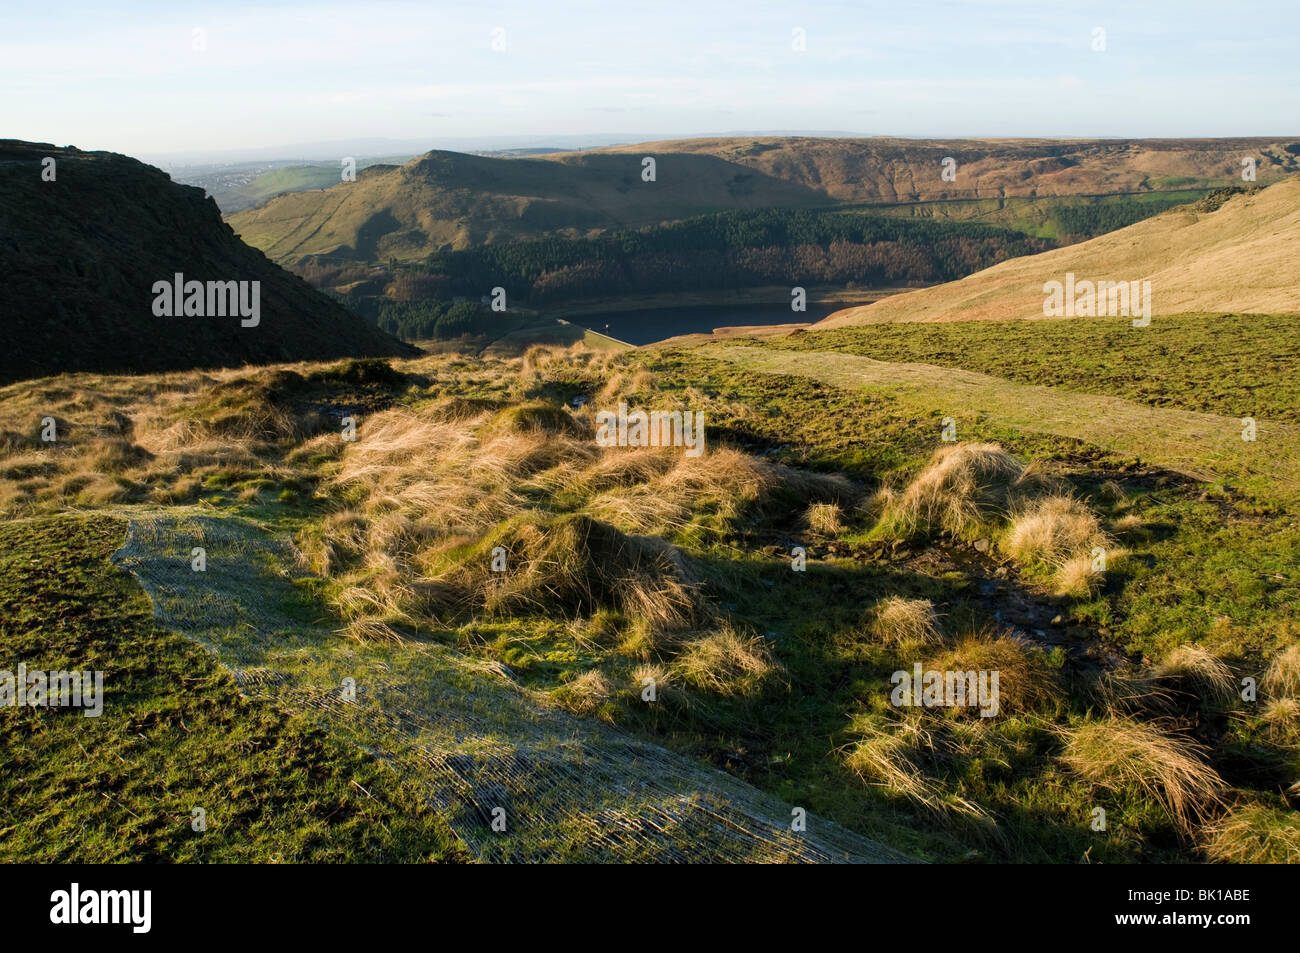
{"x":439,"y":298}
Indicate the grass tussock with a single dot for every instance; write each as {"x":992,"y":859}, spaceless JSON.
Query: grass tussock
{"x":1254,"y":834}
{"x":1121,"y":752}
{"x":1061,"y":533}
{"x":897,"y":621}
{"x":725,"y":662}
{"x":825,"y":519}
{"x":1026,"y":682}
{"x":902,"y":757}
{"x":1282,"y":677}
{"x":654,"y":683}
{"x":574,"y":564}
{"x":587,"y":694}
{"x":963,"y":489}
{"x":890,"y":756}
{"x":1200,"y":673}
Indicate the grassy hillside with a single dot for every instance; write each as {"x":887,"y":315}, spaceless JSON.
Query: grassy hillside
{"x":1227,"y":253}
{"x":83,"y":252}
{"x":175,"y":734}
{"x":447,"y":199}
{"x":294,"y":178}
{"x":1229,"y":364}
{"x":1119,"y":684}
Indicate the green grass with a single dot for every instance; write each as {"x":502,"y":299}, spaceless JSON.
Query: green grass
{"x":1236,"y":365}
{"x":175,"y":734}
{"x":1205,"y":567}
{"x":1217,"y":556}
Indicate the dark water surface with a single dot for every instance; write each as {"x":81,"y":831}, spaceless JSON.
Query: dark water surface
{"x":647,"y":327}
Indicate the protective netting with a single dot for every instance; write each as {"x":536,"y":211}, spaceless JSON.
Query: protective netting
{"x":488,"y":753}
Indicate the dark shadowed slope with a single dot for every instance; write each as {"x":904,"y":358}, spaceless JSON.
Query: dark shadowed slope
{"x":81,"y":255}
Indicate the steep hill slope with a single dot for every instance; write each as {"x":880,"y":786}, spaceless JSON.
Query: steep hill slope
{"x":1240,"y":256}
{"x":82,"y":254}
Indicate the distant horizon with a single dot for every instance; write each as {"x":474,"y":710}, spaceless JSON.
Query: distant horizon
{"x":370,"y":148}
{"x":159,"y":81}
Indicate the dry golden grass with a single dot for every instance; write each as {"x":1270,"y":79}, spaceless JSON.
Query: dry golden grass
{"x":1120,"y":752}
{"x":1281,"y":718}
{"x":1254,"y":835}
{"x":725,"y":662}
{"x":1282,"y":677}
{"x":625,"y":386}
{"x":156,"y":436}
{"x":1025,"y":681}
{"x":825,"y":519}
{"x":568,"y":565}
{"x":891,"y":757}
{"x":587,"y":694}
{"x":898,"y":621}
{"x":1130,"y":690}
{"x":723,"y":483}
{"x":1076,"y":577}
{"x":1200,"y":672}
{"x":1132,"y":527}
{"x":1061,"y":532}
{"x":897,"y":756}
{"x":664,"y":683}
{"x":963,"y":488}
{"x":427,"y":494}
{"x":1240,"y":258}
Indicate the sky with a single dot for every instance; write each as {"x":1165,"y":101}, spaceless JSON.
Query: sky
{"x":147,"y":78}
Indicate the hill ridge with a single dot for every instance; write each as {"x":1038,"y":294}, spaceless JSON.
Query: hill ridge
{"x":84,"y":252}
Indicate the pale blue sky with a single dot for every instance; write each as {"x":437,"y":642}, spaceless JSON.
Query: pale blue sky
{"x":129,"y":79}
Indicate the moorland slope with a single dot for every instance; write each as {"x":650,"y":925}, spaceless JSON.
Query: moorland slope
{"x":1232,"y":254}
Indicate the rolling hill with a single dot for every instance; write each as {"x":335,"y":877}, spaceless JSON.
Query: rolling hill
{"x":82,"y":255}
{"x":1232,"y":255}
{"x":451,"y":199}
{"x":887,"y":170}
{"x":457,"y":200}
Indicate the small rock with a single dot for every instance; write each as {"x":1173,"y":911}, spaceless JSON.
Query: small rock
{"x":1057,"y":620}
{"x":982,"y":545}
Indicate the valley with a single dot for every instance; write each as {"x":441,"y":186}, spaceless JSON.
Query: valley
{"x":371,"y":523}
